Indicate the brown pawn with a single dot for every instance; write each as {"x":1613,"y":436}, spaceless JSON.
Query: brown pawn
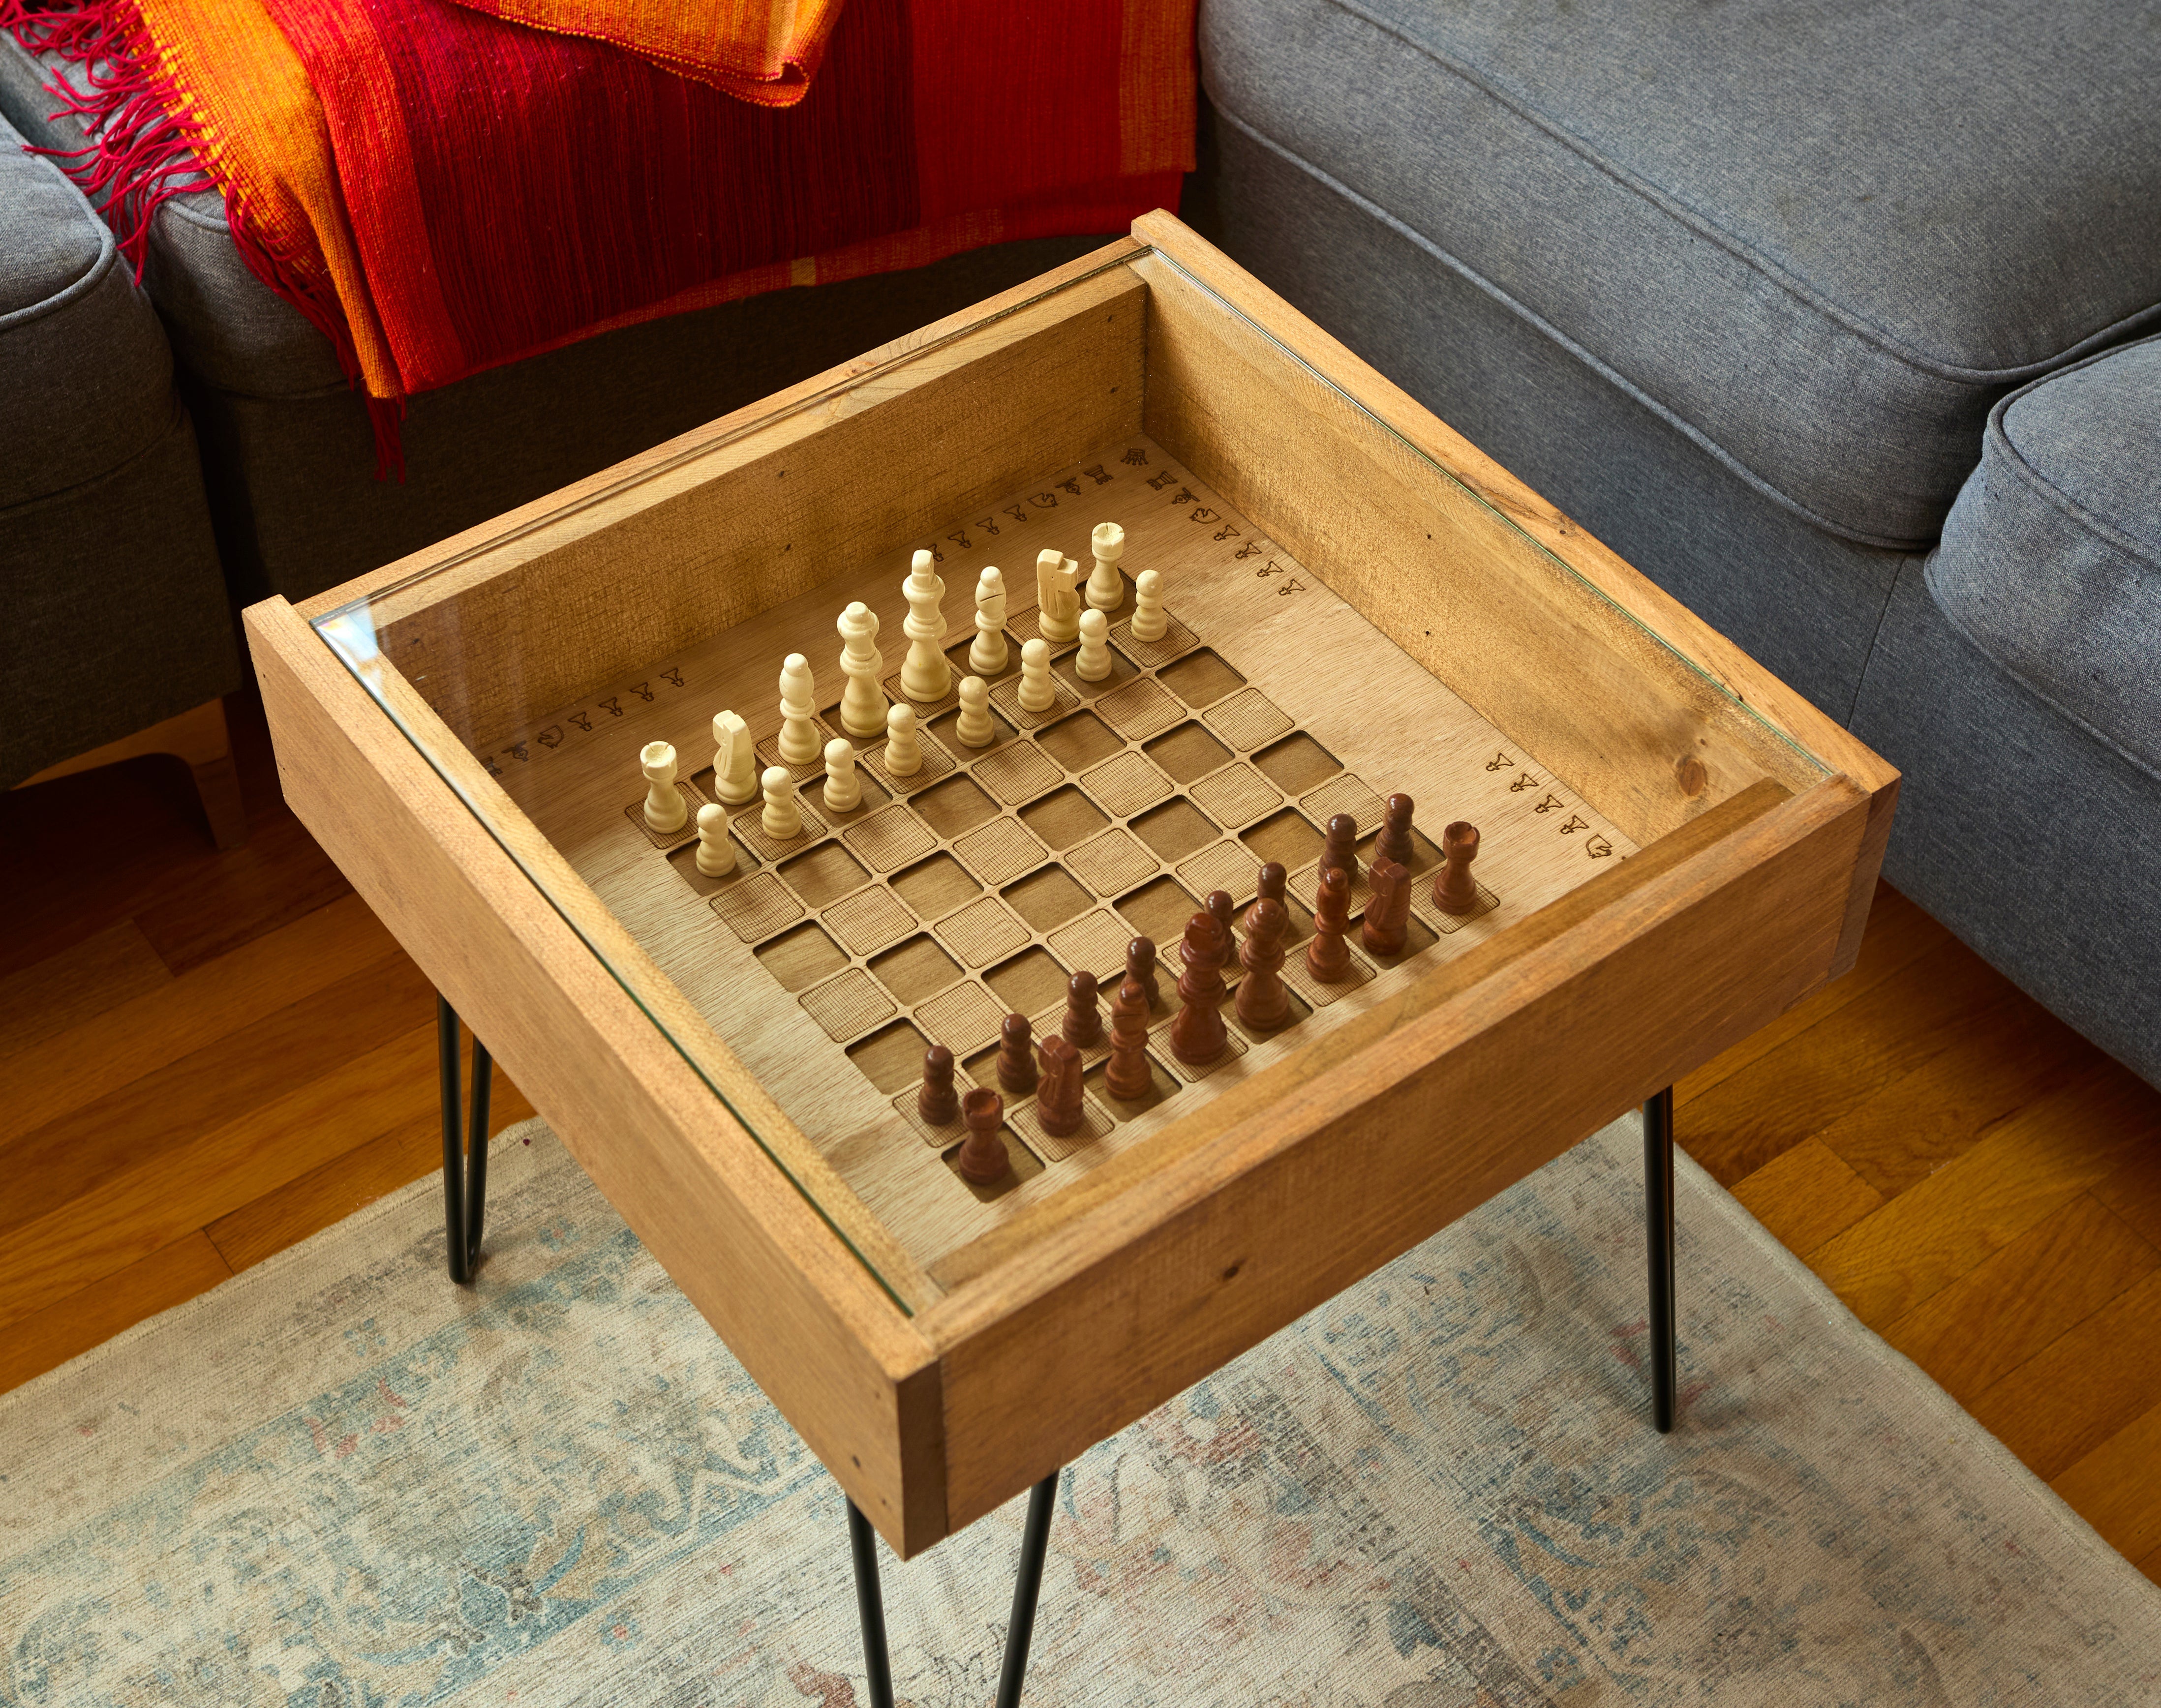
{"x":1341,"y":849}
{"x":1220,"y":905}
{"x":1263,"y":1003}
{"x":1082,"y":1026}
{"x":1140,"y":964}
{"x":1394,"y":841}
{"x":1387,"y":909}
{"x":1455,"y":890}
{"x":1058,"y":1097}
{"x":1128,"y":1077}
{"x":1197,"y":1035}
{"x":1274,"y":881}
{"x":935,"y":1100}
{"x":982,"y":1160}
{"x":1328,"y":957}
{"x":1016,"y":1060}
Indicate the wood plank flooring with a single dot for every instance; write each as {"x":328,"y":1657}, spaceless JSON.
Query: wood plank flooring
{"x":205,"y":1058}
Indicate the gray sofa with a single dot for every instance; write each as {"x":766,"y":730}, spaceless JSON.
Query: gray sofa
{"x":1827,"y":318}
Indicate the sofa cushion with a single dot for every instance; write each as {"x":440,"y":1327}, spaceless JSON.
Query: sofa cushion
{"x":86,"y":378}
{"x":2051,"y":558}
{"x":1820,"y":237}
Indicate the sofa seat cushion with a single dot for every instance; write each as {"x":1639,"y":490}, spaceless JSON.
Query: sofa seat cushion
{"x":86,"y":378}
{"x":1820,"y":237}
{"x":2051,"y":558}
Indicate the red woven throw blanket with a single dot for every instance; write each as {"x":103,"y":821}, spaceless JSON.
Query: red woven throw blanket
{"x":442,"y":188}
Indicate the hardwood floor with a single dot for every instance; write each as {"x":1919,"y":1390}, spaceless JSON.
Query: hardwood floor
{"x":207,"y":1057}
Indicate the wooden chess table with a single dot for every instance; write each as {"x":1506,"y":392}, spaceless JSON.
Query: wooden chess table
{"x":1674,"y":848}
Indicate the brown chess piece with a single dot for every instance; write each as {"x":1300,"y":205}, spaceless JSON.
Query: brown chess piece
{"x":1082,"y":1026}
{"x":1328,"y":957}
{"x":1016,"y":1060}
{"x":1455,"y":890}
{"x":1274,"y":881}
{"x":1387,"y":909}
{"x":1394,"y":841}
{"x":1128,"y":1077}
{"x":1341,"y":848}
{"x":982,"y":1160}
{"x":935,"y":1100}
{"x":1263,"y":1003}
{"x":1058,"y":1094}
{"x":1197,"y":1035}
{"x":1220,"y":905}
{"x":1140,"y":964}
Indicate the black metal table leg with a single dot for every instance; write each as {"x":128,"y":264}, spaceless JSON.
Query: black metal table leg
{"x":1659,"y":1228}
{"x":465,"y":1164}
{"x":870,"y":1607}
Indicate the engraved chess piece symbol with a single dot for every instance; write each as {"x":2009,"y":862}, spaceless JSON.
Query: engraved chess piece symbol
{"x":1339,"y":849}
{"x":844,"y":789}
{"x":1092,"y":662}
{"x":1082,"y":1026}
{"x":799,"y":736}
{"x":903,"y":753}
{"x":1128,"y":1077}
{"x":1328,"y":957}
{"x":987,"y":655}
{"x":1149,"y":623}
{"x":1140,"y":967}
{"x":716,"y":855}
{"x":862,"y":701}
{"x":1263,"y":1003}
{"x":1016,"y":1061}
{"x":665,"y":809}
{"x":1387,"y":909}
{"x":925,"y":673}
{"x":1455,"y":890}
{"x":1107,"y":588}
{"x":1057,"y":602}
{"x":981,"y":1160}
{"x":1036,"y":692}
{"x":973,"y":728}
{"x":1197,"y":1035}
{"x":735,"y":760}
{"x":935,"y":1099}
{"x":1057,"y":1092}
{"x":782,"y":819}
{"x":1394,"y":841}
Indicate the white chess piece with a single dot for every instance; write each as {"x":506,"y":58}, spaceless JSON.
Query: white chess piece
{"x":1057,"y":604}
{"x":665,"y":810}
{"x":1092,"y":662}
{"x":1107,"y":589}
{"x":735,"y":760}
{"x":844,"y":789}
{"x":783,"y":819}
{"x":798,"y":735}
{"x":974,"y":728}
{"x":903,"y":753}
{"x":987,"y":655}
{"x":925,"y":673}
{"x":862,"y":701}
{"x":1036,"y":692}
{"x":716,"y":854}
{"x":1148,"y":622}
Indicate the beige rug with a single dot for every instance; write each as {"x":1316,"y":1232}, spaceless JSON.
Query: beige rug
{"x":339,"y":1482}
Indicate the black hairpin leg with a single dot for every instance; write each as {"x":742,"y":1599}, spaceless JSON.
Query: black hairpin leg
{"x":1659,"y":1227}
{"x":1028,"y":1586}
{"x":465,"y":1164}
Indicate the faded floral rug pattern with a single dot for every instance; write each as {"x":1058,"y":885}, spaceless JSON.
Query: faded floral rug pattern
{"x":338,"y":1481}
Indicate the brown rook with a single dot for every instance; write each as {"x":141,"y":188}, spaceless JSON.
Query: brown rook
{"x":1058,"y":1097}
{"x":1197,"y":1035}
{"x":1455,"y":890}
{"x":1016,"y":1060}
{"x":982,"y":1160}
{"x":935,"y":1100}
{"x":1328,"y":957}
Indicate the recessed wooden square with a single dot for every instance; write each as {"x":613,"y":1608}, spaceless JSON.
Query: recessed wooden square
{"x":1187,"y":752}
{"x":823,"y":875}
{"x":873,"y":797}
{"x":847,"y":1004}
{"x":1348,"y":793}
{"x":1174,"y":829}
{"x":1159,"y":912}
{"x":1079,"y":741}
{"x":1096,"y":943}
{"x":1288,"y":837}
{"x":1297,"y":764}
{"x":1176,"y":638}
{"x":1235,"y":795}
{"x":1125,"y":783}
{"x":1060,"y":820}
{"x":999,"y":850}
{"x":1096,"y":1124}
{"x":936,"y":887}
{"x":1029,"y":982}
{"x":800,"y":958}
{"x":1447,"y":924}
{"x":684,"y":859}
{"x":1201,"y":679}
{"x":867,"y":920}
{"x":749,"y":828}
{"x":954,"y":806}
{"x":1005,"y":695}
{"x":915,"y":970}
{"x":1234,"y":1047}
{"x":1025,"y":1166}
{"x":1296,"y":975}
{"x":1047,"y":899}
{"x":1139,"y":709}
{"x":757,"y":907}
{"x":936,"y":763}
{"x":982,"y":931}
{"x":1248,"y":719}
{"x":1018,"y":773}
{"x":943,"y":727}
{"x":1228,"y":866}
{"x":1301,"y":1009}
{"x":1418,"y":937}
{"x":892,"y":1056}
{"x":961,"y":1019}
{"x":1162,"y":1084}
{"x":1112,"y":862}
{"x":888,"y":838}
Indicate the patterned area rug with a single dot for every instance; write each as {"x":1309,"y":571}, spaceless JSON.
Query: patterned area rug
{"x":339,"y":1482}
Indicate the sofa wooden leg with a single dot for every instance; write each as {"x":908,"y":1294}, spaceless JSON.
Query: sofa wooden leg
{"x":200,"y":740}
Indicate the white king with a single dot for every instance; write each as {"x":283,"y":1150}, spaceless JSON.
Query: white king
{"x":925,"y":673}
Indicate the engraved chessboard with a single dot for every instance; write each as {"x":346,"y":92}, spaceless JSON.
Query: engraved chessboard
{"x":974,"y":887}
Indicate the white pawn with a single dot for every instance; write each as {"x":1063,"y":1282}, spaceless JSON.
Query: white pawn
{"x":665,"y":810}
{"x":716,"y":854}
{"x":844,"y":789}
{"x":862,"y":701}
{"x":798,"y":735}
{"x":735,"y":760}
{"x":903,"y":753}
{"x":987,"y":655}
{"x":1036,"y":692}
{"x":974,"y":728}
{"x":783,"y":819}
{"x":1092,"y":662}
{"x":1106,"y":591}
{"x":1057,"y":605}
{"x":924,"y":674}
{"x":1148,"y":623}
